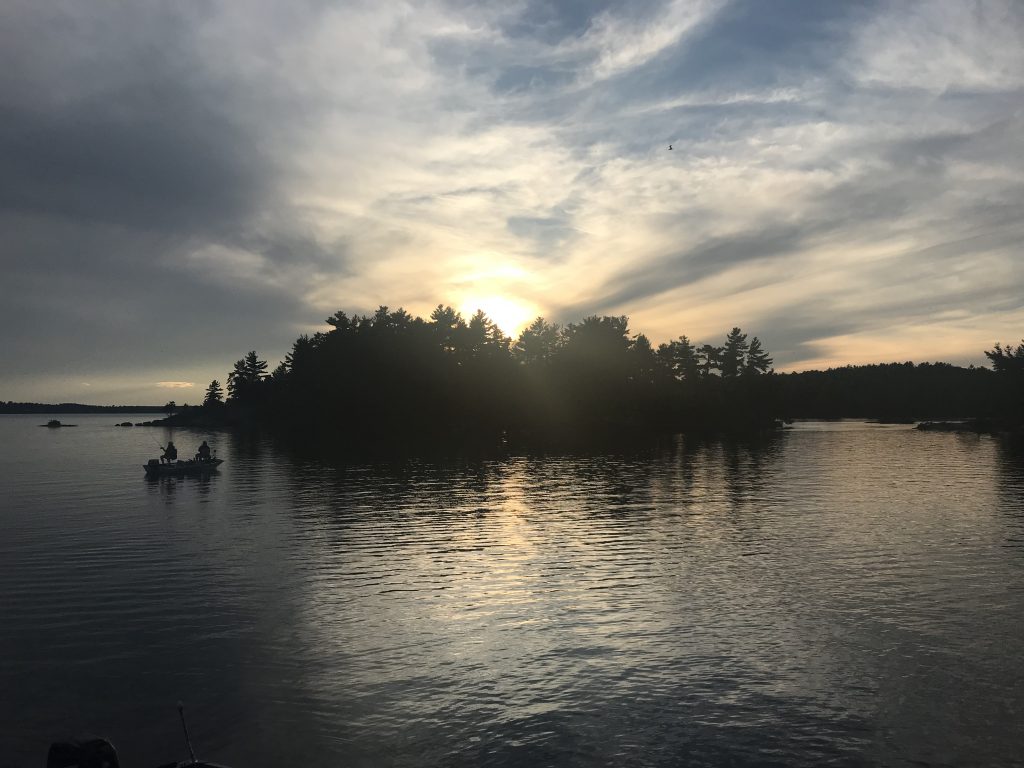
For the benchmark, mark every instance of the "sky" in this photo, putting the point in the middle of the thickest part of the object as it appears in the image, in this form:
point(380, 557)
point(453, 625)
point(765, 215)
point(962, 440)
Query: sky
point(181, 182)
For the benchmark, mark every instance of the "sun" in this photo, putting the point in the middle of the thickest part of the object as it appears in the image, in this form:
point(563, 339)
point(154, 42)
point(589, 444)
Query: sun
point(510, 315)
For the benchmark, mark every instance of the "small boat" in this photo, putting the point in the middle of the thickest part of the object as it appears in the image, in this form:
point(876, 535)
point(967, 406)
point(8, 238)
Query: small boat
point(191, 467)
point(97, 752)
point(54, 423)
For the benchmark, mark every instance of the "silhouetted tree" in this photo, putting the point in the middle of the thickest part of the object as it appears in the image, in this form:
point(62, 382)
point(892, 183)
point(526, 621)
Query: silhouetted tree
point(339, 321)
point(246, 376)
point(645, 364)
point(170, 407)
point(733, 353)
point(757, 361)
point(537, 343)
point(214, 394)
point(682, 359)
point(483, 337)
point(888, 391)
point(389, 373)
point(1008, 359)
point(593, 369)
point(1008, 363)
point(710, 359)
point(449, 328)
point(597, 343)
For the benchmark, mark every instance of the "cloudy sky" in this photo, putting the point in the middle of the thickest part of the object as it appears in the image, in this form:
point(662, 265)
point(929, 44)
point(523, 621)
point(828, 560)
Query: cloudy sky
point(181, 182)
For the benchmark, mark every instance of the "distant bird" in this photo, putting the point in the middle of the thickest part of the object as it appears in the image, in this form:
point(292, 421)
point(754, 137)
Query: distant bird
point(670, 147)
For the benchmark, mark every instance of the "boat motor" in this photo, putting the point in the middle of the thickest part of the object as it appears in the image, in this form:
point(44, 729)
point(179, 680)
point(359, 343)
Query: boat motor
point(193, 762)
point(83, 752)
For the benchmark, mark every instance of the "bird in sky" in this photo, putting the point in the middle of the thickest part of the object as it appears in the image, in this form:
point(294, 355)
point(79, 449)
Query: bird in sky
point(670, 146)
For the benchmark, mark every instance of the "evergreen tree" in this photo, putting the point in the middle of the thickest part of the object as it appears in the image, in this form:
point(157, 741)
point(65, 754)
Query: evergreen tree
point(1008, 363)
point(681, 358)
point(449, 328)
point(339, 321)
point(599, 346)
point(1007, 359)
point(710, 359)
point(214, 394)
point(246, 376)
point(392, 372)
point(385, 321)
point(537, 343)
point(645, 363)
point(483, 336)
point(757, 360)
point(733, 353)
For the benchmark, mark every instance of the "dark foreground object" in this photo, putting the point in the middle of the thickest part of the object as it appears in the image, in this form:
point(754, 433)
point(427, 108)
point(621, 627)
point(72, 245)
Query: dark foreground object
point(83, 752)
point(191, 467)
point(54, 423)
point(94, 752)
point(964, 425)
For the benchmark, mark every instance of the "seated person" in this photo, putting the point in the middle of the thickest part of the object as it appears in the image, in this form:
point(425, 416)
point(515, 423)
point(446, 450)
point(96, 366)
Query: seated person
point(204, 452)
point(170, 453)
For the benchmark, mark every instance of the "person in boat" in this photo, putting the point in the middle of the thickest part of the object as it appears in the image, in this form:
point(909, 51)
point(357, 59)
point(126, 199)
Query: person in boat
point(203, 454)
point(170, 453)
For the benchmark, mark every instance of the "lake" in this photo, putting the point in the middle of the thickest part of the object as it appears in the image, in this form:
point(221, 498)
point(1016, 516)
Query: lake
point(842, 593)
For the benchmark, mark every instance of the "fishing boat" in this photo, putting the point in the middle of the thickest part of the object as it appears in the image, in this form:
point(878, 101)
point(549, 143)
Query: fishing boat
point(97, 752)
point(89, 751)
point(190, 467)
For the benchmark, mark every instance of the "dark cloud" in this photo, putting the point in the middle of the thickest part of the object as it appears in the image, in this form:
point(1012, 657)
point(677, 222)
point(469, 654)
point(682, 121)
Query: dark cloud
point(747, 45)
point(553, 23)
point(548, 233)
point(906, 179)
point(162, 158)
point(124, 151)
point(517, 78)
point(126, 123)
point(176, 179)
point(632, 286)
point(791, 334)
point(82, 298)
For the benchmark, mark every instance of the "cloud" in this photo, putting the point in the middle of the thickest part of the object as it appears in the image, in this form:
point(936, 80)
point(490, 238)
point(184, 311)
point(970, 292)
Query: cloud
point(942, 46)
point(180, 184)
point(175, 384)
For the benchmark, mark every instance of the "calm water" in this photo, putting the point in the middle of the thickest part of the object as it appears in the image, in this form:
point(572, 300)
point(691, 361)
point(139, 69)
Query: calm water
point(845, 594)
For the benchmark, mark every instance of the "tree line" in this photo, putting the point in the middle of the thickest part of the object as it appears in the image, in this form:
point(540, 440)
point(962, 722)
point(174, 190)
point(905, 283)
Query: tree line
point(391, 372)
point(905, 391)
point(10, 406)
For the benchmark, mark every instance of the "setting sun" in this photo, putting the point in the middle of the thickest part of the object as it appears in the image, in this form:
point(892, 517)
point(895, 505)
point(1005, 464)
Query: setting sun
point(509, 314)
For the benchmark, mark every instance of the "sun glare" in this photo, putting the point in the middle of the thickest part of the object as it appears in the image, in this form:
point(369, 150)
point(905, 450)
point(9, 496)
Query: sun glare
point(509, 315)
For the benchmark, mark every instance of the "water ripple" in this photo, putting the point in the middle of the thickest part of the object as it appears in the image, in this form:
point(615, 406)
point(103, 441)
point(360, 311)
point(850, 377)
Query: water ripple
point(843, 595)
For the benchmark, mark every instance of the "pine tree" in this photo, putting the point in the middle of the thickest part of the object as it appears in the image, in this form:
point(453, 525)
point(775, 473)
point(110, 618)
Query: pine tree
point(449, 328)
point(483, 336)
point(246, 376)
point(644, 361)
point(681, 357)
point(1008, 359)
point(537, 343)
point(710, 358)
point(757, 361)
point(214, 395)
point(733, 353)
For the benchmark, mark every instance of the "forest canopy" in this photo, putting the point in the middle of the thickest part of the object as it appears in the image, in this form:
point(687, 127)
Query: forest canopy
point(395, 372)
point(390, 373)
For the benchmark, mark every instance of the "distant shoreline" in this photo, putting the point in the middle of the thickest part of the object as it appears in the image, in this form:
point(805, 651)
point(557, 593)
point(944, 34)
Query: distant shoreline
point(43, 408)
